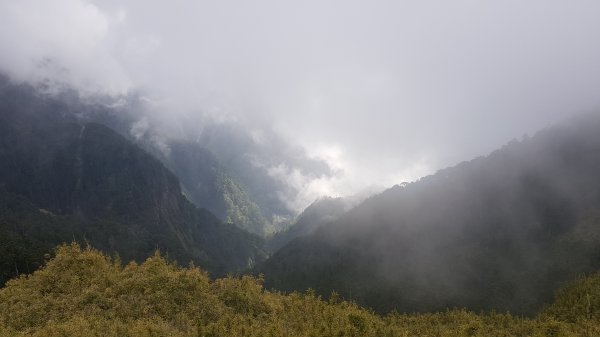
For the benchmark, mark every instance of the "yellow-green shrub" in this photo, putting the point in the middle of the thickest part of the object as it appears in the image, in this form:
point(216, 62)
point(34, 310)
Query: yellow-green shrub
point(81, 292)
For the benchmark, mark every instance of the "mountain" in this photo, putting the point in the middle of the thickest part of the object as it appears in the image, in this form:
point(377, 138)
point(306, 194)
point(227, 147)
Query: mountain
point(205, 181)
point(63, 178)
point(501, 232)
point(240, 171)
point(221, 165)
point(320, 212)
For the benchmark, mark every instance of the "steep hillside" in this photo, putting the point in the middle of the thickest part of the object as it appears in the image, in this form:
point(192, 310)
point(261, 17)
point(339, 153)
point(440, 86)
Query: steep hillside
point(500, 232)
point(206, 182)
point(63, 179)
point(320, 212)
point(214, 163)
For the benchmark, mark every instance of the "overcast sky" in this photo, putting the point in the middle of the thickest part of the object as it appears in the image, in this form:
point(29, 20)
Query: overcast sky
point(385, 91)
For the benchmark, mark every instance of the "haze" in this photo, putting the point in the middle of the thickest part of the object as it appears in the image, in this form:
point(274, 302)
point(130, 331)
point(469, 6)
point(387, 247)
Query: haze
point(383, 91)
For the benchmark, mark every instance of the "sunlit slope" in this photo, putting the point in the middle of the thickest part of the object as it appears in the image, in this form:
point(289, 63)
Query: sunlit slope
point(501, 232)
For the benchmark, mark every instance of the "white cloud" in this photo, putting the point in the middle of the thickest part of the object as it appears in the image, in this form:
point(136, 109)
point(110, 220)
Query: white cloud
point(401, 88)
point(63, 42)
point(303, 189)
point(139, 128)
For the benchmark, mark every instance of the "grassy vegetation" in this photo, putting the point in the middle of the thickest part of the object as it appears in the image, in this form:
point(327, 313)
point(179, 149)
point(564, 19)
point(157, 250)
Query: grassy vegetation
point(82, 292)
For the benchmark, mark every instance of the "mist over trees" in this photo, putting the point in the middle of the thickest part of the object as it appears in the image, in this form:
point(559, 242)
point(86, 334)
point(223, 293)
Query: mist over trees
point(63, 178)
point(317, 214)
point(500, 232)
point(264, 169)
point(250, 177)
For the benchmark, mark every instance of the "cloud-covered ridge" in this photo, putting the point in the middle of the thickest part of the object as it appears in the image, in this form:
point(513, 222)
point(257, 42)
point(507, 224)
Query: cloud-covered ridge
point(399, 89)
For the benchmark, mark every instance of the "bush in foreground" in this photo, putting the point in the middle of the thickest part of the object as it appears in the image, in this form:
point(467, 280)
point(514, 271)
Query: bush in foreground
point(82, 292)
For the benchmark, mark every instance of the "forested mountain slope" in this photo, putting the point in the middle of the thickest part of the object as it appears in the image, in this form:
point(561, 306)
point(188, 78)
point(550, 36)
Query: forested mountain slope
point(499, 232)
point(224, 166)
point(64, 179)
point(205, 180)
point(320, 212)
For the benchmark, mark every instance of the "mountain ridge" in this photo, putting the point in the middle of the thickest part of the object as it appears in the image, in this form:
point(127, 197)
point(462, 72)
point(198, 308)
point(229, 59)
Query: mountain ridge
point(480, 235)
point(66, 179)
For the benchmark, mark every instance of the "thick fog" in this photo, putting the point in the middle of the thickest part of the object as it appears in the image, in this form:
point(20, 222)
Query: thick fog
point(383, 91)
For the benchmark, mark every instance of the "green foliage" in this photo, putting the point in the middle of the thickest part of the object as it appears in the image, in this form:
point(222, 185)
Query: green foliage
point(580, 300)
point(82, 292)
point(240, 209)
point(209, 184)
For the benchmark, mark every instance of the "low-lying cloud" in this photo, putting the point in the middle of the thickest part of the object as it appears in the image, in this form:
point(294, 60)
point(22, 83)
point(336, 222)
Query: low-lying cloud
point(383, 91)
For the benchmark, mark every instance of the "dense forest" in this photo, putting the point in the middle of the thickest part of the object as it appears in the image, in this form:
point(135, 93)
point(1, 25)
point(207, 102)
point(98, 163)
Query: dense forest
point(81, 292)
point(64, 178)
point(320, 212)
point(221, 166)
point(501, 232)
point(216, 167)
